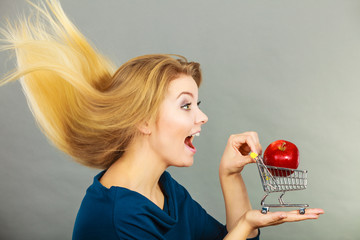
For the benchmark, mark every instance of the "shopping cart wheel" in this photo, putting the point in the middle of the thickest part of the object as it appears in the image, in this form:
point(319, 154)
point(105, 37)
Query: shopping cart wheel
point(302, 211)
point(264, 210)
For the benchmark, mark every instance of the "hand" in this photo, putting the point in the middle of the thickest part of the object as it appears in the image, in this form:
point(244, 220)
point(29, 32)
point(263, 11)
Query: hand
point(255, 219)
point(236, 153)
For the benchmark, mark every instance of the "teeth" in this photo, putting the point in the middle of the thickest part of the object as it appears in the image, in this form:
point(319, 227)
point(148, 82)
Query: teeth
point(196, 134)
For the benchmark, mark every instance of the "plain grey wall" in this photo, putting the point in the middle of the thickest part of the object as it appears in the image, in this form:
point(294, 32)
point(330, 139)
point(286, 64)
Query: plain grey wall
point(287, 69)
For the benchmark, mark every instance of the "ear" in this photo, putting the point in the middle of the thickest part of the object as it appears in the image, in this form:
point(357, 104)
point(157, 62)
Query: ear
point(144, 128)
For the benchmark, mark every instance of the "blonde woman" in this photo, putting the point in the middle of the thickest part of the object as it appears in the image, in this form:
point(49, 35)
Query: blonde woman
point(133, 122)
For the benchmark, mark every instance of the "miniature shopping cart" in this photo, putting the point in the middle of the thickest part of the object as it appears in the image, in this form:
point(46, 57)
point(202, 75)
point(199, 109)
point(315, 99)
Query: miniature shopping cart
point(276, 179)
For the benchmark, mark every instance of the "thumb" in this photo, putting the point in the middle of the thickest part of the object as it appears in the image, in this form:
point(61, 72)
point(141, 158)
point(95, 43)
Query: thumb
point(244, 161)
point(249, 159)
point(277, 218)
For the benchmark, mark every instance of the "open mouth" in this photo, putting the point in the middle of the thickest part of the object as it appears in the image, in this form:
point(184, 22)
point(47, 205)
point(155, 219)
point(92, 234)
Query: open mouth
point(189, 139)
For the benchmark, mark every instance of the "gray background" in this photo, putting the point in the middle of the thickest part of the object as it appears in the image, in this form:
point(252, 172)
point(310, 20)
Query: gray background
point(287, 69)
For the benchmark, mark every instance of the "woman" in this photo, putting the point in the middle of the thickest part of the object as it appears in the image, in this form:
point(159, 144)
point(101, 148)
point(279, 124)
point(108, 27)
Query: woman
point(134, 123)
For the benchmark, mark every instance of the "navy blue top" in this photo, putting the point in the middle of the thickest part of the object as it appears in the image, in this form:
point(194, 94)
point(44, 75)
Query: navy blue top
point(119, 213)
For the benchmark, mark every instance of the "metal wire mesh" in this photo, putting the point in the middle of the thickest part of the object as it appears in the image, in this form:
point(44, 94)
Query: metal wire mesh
point(282, 179)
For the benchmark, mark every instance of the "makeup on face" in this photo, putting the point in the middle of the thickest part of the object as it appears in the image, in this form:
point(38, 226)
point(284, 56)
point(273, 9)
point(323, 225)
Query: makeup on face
point(180, 120)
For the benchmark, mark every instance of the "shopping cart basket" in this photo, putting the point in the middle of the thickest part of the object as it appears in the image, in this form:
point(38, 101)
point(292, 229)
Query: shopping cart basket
point(276, 179)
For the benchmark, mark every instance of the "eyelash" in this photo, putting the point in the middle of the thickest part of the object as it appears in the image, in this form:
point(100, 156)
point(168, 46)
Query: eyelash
point(187, 105)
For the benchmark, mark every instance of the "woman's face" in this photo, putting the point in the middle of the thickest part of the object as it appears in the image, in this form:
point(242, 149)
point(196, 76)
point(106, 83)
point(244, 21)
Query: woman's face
point(179, 120)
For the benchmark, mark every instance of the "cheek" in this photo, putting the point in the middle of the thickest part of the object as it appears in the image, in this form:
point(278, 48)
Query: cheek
point(174, 128)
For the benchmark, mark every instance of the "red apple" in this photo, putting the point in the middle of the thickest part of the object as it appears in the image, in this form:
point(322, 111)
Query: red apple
point(282, 154)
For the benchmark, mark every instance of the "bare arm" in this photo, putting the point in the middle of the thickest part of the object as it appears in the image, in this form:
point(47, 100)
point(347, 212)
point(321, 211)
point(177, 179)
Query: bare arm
point(234, 159)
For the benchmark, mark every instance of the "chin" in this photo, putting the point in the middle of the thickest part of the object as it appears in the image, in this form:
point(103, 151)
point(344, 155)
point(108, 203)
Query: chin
point(185, 163)
point(189, 164)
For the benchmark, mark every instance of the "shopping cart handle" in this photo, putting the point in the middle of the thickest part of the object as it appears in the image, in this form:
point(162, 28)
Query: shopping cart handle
point(253, 155)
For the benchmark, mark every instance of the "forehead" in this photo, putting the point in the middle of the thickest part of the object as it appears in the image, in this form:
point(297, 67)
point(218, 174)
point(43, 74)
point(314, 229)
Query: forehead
point(182, 85)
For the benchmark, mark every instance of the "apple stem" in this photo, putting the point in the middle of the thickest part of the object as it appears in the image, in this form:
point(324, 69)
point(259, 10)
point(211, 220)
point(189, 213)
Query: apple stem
point(282, 148)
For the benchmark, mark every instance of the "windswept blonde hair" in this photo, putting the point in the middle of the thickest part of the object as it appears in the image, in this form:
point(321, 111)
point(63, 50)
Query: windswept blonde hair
point(85, 107)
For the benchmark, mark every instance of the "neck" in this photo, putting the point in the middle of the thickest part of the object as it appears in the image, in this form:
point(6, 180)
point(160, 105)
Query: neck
point(139, 171)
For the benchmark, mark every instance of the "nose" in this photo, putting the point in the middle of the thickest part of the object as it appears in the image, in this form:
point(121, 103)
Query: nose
point(201, 117)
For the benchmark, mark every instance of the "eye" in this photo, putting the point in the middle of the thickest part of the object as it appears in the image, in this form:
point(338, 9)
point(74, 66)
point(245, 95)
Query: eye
point(186, 106)
point(198, 103)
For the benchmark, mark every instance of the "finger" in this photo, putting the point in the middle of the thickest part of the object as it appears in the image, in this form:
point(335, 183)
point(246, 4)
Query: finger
point(256, 141)
point(300, 217)
point(296, 216)
point(282, 217)
point(317, 211)
point(241, 140)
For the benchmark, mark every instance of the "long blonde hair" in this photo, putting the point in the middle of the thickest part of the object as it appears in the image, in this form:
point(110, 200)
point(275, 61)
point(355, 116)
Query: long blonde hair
point(83, 105)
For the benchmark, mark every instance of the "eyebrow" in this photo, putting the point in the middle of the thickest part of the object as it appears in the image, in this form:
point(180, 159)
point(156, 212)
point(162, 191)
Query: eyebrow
point(187, 93)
